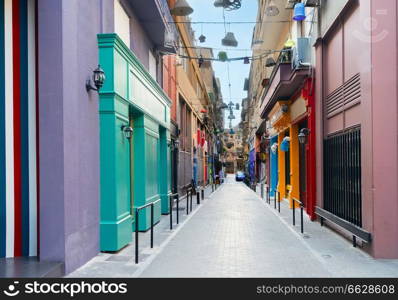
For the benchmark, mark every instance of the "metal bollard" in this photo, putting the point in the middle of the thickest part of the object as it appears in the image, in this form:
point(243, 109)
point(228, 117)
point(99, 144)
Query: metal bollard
point(191, 199)
point(294, 213)
point(171, 212)
point(279, 204)
point(262, 191)
point(203, 194)
point(302, 221)
point(136, 236)
point(152, 225)
point(187, 203)
point(197, 198)
point(275, 202)
point(178, 209)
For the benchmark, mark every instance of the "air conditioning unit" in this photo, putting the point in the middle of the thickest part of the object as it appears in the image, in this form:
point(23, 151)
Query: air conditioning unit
point(311, 3)
point(301, 57)
point(291, 3)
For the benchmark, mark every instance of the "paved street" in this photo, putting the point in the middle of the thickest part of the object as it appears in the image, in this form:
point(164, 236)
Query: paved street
point(234, 233)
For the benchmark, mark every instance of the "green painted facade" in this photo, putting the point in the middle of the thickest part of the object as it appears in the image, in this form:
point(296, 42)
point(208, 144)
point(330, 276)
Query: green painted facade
point(133, 172)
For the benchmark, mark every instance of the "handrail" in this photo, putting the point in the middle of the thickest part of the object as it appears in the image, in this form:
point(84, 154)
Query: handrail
point(137, 213)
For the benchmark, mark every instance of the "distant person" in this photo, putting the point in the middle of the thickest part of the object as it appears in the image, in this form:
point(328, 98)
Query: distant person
point(221, 175)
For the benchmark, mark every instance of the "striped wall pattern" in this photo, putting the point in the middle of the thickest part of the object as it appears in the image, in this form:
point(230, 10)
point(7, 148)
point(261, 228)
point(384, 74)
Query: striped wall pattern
point(18, 123)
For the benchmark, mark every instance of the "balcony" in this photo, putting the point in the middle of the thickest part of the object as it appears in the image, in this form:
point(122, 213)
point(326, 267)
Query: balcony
point(155, 17)
point(284, 83)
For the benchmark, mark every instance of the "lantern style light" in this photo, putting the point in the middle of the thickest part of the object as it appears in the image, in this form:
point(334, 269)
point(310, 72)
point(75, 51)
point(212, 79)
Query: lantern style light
point(98, 78)
point(299, 12)
point(228, 4)
point(181, 8)
point(176, 143)
point(270, 62)
point(127, 131)
point(202, 38)
point(272, 10)
point(223, 106)
point(303, 136)
point(229, 40)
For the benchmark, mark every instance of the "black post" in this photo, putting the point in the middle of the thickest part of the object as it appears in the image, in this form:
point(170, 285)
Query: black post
point(197, 198)
point(212, 187)
point(354, 241)
point(321, 221)
point(187, 203)
point(171, 212)
point(294, 212)
point(279, 204)
point(191, 198)
point(203, 194)
point(275, 202)
point(178, 209)
point(302, 221)
point(152, 225)
point(136, 236)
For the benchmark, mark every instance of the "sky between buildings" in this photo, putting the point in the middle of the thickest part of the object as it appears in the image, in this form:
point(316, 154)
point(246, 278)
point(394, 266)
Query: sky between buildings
point(204, 11)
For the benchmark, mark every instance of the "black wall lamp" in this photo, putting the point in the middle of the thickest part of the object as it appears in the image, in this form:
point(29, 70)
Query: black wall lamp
point(303, 136)
point(127, 131)
point(98, 78)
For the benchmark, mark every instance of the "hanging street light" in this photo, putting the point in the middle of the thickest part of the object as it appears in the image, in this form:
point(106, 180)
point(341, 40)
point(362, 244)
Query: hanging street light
point(222, 56)
point(228, 4)
point(229, 40)
point(272, 10)
point(202, 38)
point(181, 8)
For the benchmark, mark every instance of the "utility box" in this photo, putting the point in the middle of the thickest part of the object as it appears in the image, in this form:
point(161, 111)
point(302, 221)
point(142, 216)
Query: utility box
point(301, 53)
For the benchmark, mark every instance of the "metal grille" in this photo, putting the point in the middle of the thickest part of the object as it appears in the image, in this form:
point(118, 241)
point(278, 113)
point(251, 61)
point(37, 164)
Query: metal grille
point(344, 96)
point(342, 176)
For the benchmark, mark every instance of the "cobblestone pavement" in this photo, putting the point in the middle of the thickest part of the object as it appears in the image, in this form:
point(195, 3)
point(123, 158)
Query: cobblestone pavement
point(236, 234)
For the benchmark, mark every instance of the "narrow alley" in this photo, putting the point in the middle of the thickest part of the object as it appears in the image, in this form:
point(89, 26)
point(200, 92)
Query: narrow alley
point(234, 233)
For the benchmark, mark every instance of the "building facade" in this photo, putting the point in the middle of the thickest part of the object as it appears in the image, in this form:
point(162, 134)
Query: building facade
point(356, 91)
point(323, 82)
point(72, 172)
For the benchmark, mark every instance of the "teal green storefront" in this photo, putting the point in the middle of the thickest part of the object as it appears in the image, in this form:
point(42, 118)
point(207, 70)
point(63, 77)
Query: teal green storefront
point(136, 171)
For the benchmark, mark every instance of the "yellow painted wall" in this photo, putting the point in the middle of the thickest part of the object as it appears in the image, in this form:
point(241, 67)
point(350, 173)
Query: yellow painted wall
point(294, 165)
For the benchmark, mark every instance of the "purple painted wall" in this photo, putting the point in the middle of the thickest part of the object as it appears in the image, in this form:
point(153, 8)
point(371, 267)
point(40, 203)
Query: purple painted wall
point(69, 124)
point(371, 50)
point(385, 128)
point(69, 135)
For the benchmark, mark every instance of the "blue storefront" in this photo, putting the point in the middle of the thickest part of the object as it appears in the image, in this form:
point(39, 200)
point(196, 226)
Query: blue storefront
point(273, 165)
